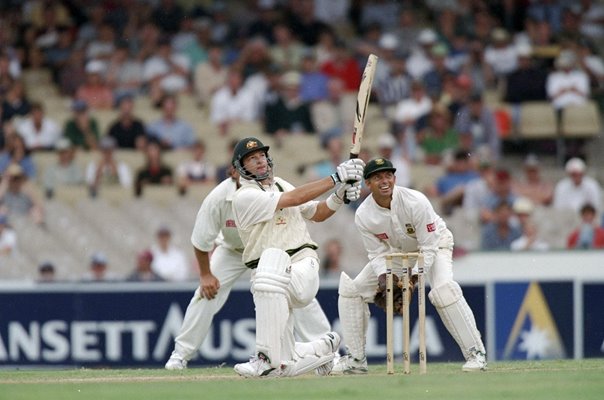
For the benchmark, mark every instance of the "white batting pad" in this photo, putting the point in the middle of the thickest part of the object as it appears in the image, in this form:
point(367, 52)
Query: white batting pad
point(272, 309)
point(354, 316)
point(457, 317)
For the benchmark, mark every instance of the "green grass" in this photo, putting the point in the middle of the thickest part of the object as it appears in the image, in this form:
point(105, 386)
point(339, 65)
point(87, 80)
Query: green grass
point(547, 380)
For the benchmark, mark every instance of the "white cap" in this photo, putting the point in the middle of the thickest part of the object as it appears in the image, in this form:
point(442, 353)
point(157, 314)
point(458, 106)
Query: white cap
point(524, 50)
point(523, 205)
point(95, 67)
point(427, 36)
point(388, 41)
point(291, 78)
point(565, 59)
point(575, 165)
point(386, 141)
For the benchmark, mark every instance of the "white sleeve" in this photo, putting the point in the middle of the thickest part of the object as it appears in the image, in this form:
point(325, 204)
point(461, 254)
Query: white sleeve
point(252, 206)
point(208, 223)
point(376, 249)
point(309, 209)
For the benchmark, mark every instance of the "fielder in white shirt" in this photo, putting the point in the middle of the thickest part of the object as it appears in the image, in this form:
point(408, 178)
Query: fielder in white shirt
point(395, 219)
point(270, 215)
point(218, 250)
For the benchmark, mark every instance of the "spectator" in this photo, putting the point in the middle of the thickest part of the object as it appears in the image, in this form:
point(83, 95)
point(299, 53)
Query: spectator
point(171, 131)
point(72, 75)
point(567, 85)
point(332, 260)
point(478, 191)
point(154, 172)
point(8, 238)
point(38, 131)
point(501, 57)
point(166, 71)
point(407, 117)
point(289, 114)
point(389, 149)
point(477, 128)
point(529, 240)
point(46, 272)
point(533, 186)
point(169, 262)
point(107, 171)
point(500, 232)
point(17, 197)
point(168, 16)
point(196, 170)
point(313, 86)
point(450, 186)
point(99, 270)
point(65, 172)
point(95, 91)
point(232, 103)
point(589, 235)
point(82, 129)
point(143, 271)
point(124, 73)
point(577, 189)
point(209, 76)
point(15, 103)
point(434, 78)
point(438, 137)
point(394, 87)
point(343, 66)
point(102, 46)
point(502, 192)
point(287, 51)
point(418, 62)
point(128, 130)
point(335, 114)
point(15, 153)
point(302, 20)
point(334, 147)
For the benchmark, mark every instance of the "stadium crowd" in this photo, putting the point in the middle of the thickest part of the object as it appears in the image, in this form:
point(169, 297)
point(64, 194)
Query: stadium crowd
point(451, 83)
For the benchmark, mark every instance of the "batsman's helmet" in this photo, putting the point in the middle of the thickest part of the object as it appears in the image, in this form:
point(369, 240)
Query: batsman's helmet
point(376, 165)
point(243, 148)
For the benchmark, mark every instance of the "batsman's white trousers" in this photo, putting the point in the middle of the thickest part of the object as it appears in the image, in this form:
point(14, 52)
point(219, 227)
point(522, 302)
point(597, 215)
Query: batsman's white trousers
point(310, 321)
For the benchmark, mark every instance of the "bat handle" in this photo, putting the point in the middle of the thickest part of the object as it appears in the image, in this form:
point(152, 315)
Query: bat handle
point(346, 200)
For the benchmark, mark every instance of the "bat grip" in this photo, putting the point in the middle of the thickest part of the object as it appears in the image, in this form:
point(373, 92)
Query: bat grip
point(346, 200)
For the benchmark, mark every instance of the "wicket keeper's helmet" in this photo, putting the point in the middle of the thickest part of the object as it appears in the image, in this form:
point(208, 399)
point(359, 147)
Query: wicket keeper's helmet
point(243, 148)
point(376, 165)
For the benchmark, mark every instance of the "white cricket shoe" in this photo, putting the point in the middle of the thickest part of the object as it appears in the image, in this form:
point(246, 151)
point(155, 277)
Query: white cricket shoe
point(349, 365)
point(257, 367)
point(176, 362)
point(476, 362)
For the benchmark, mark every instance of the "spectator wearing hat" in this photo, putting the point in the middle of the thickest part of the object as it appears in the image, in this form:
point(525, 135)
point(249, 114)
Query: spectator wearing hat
point(577, 189)
point(169, 262)
point(99, 270)
point(394, 87)
point(154, 172)
point(501, 57)
point(46, 272)
point(388, 148)
point(143, 271)
point(128, 130)
point(102, 46)
point(17, 197)
point(171, 131)
point(589, 234)
point(532, 185)
point(39, 131)
point(65, 171)
point(419, 61)
point(82, 129)
point(289, 114)
point(8, 238)
point(107, 171)
point(233, 103)
point(529, 240)
point(388, 51)
point(477, 128)
point(408, 116)
point(567, 85)
point(95, 91)
point(196, 170)
point(438, 137)
point(434, 78)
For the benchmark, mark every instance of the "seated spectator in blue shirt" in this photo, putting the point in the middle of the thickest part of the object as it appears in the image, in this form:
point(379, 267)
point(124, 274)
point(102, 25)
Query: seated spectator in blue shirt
point(171, 131)
point(15, 152)
point(450, 186)
point(501, 231)
point(313, 86)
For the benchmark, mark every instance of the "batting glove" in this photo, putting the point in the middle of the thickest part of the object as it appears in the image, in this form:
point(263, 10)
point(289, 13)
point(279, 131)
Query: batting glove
point(353, 192)
point(349, 171)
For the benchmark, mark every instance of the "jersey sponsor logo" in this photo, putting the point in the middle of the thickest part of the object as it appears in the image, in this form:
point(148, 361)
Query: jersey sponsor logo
point(280, 221)
point(382, 236)
point(410, 229)
point(230, 223)
point(431, 227)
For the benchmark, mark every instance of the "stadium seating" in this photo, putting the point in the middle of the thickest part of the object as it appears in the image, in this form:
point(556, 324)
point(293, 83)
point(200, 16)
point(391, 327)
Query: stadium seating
point(581, 121)
point(537, 121)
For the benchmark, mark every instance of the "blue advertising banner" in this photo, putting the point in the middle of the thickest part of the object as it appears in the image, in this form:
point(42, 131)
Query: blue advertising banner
point(593, 323)
point(128, 325)
point(533, 320)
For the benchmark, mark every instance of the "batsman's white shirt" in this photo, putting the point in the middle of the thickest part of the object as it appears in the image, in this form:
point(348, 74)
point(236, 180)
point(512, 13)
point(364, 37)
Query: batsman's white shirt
point(261, 227)
point(215, 223)
point(410, 224)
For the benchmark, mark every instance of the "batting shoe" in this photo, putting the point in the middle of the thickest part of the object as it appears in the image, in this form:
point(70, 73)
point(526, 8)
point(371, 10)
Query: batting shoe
point(332, 340)
point(176, 363)
point(348, 365)
point(257, 367)
point(476, 362)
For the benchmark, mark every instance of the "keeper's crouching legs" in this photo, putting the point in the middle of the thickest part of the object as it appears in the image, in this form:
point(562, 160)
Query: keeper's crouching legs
point(459, 320)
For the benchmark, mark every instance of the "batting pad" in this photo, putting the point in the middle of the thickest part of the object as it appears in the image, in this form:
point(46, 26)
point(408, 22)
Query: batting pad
point(457, 317)
point(354, 316)
point(272, 307)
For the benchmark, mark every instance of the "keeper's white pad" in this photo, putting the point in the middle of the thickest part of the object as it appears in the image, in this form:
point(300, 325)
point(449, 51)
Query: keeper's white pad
point(272, 309)
point(354, 316)
point(457, 317)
